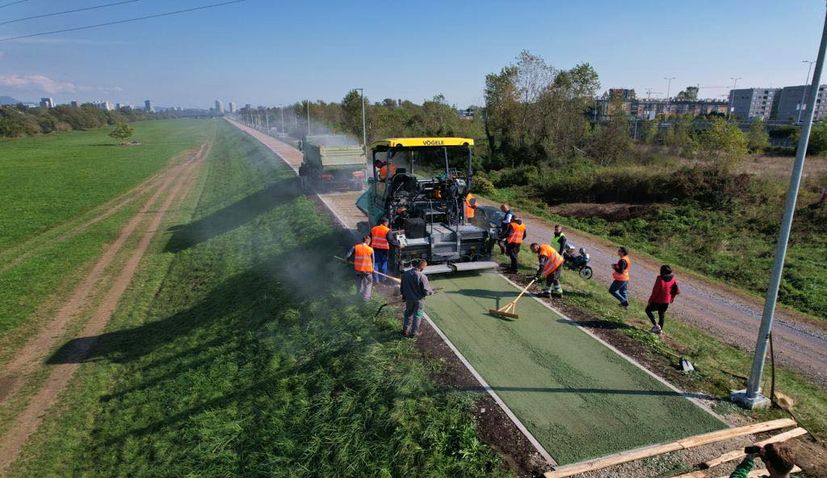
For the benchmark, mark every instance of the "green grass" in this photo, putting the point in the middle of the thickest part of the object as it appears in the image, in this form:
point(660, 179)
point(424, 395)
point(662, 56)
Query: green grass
point(50, 179)
point(56, 181)
point(732, 242)
point(242, 351)
point(578, 398)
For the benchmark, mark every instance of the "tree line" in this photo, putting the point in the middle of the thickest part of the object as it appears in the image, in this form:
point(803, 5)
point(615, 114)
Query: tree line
point(18, 120)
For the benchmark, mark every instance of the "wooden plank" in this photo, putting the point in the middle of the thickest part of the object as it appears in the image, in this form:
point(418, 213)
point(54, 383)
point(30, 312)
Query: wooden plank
point(691, 442)
point(736, 454)
point(694, 474)
point(758, 472)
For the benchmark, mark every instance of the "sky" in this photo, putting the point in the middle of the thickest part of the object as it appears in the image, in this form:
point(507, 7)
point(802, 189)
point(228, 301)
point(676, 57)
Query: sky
point(269, 52)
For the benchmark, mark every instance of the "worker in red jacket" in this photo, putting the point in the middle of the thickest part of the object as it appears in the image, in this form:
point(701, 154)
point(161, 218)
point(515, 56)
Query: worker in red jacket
point(663, 294)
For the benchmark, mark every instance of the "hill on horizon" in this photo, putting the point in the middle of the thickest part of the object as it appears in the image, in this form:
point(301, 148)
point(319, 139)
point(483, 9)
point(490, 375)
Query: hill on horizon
point(8, 100)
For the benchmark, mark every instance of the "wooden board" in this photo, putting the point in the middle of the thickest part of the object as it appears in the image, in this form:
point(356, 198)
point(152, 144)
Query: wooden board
point(691, 442)
point(758, 472)
point(736, 454)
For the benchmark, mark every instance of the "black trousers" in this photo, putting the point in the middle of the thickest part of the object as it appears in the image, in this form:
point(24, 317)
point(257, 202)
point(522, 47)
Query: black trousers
point(661, 310)
point(513, 250)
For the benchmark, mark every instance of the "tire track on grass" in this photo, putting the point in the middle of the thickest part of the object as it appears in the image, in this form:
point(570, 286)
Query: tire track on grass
point(28, 421)
point(15, 255)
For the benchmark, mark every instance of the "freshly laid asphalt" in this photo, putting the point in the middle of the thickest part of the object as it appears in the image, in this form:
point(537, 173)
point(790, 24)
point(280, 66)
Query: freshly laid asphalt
point(578, 397)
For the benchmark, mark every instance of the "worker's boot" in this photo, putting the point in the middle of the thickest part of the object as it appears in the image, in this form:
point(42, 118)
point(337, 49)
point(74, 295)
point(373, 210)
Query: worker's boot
point(557, 292)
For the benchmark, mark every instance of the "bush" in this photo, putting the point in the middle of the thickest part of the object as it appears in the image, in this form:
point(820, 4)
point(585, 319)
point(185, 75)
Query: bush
point(482, 185)
point(520, 176)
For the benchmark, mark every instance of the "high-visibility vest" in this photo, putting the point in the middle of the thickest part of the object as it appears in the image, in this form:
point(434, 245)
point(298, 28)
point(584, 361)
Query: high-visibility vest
point(555, 240)
point(515, 236)
point(545, 250)
point(623, 276)
point(553, 261)
point(469, 210)
point(383, 171)
point(379, 237)
point(362, 258)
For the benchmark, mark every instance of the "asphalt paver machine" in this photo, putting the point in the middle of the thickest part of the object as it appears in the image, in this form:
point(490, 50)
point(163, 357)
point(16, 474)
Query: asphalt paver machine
point(420, 185)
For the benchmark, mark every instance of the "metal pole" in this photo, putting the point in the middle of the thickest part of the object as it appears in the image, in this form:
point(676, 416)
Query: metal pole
point(308, 118)
point(751, 397)
point(364, 122)
point(804, 90)
point(281, 107)
point(732, 96)
point(668, 90)
point(267, 119)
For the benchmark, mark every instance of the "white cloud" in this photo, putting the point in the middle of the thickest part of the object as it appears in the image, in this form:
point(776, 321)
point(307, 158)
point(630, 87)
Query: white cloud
point(37, 82)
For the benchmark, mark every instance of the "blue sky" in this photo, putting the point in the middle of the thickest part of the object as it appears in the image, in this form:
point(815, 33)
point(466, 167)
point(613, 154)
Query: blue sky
point(272, 52)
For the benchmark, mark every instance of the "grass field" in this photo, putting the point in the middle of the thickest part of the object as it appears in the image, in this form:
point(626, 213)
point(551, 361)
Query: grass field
point(53, 183)
point(241, 350)
point(578, 398)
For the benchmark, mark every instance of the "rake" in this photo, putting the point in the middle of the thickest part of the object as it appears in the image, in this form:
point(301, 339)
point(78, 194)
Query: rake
point(509, 310)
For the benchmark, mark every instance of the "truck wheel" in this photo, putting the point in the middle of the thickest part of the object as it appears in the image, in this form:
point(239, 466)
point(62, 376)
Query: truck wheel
point(586, 272)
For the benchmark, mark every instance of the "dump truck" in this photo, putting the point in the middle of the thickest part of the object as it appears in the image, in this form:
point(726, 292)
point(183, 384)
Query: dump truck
point(332, 163)
point(420, 185)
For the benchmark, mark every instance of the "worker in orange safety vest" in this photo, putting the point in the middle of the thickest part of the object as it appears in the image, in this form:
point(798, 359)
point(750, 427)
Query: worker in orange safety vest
point(550, 269)
point(620, 275)
point(380, 241)
point(362, 255)
point(470, 207)
point(516, 234)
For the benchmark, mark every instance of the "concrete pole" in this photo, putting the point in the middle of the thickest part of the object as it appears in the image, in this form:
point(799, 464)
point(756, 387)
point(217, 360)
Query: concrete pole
point(804, 92)
point(364, 122)
point(308, 118)
point(752, 397)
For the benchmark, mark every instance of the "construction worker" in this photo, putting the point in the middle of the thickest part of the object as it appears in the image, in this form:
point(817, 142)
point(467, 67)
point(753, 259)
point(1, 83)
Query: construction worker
point(504, 225)
point(550, 268)
point(558, 240)
point(362, 255)
point(414, 288)
point(516, 234)
point(381, 244)
point(620, 273)
point(470, 207)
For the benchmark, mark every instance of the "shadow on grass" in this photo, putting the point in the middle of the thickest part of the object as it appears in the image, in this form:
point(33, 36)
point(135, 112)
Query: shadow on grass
point(597, 324)
point(298, 273)
point(232, 216)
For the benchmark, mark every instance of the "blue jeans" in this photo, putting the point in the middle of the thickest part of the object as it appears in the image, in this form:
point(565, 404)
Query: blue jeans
point(619, 289)
point(380, 263)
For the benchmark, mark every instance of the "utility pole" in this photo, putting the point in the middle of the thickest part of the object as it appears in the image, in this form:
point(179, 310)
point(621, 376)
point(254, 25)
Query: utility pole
point(732, 94)
point(267, 119)
point(364, 122)
point(308, 118)
point(281, 107)
point(668, 90)
point(804, 91)
point(752, 397)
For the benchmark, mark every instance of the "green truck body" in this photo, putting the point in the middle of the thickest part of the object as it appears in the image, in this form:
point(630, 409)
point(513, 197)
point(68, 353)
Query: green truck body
point(332, 162)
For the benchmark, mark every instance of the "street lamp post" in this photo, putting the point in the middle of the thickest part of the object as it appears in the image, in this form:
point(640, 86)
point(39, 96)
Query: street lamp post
point(668, 90)
point(364, 123)
point(281, 107)
point(752, 397)
point(308, 118)
point(732, 96)
point(804, 90)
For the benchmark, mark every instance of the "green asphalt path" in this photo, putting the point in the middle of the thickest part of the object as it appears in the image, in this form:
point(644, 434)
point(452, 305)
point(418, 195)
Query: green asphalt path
point(576, 396)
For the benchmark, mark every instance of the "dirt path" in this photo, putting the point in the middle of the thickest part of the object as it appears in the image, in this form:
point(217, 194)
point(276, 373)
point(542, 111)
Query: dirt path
point(174, 187)
point(730, 315)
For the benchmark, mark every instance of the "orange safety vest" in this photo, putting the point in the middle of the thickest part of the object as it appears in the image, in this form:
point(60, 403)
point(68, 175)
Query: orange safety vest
point(383, 171)
point(623, 276)
point(379, 237)
point(469, 210)
point(362, 258)
point(553, 260)
point(516, 234)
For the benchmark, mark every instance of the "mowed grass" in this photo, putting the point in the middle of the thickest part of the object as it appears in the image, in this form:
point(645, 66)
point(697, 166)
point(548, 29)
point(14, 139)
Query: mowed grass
point(51, 180)
point(46, 180)
point(242, 351)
